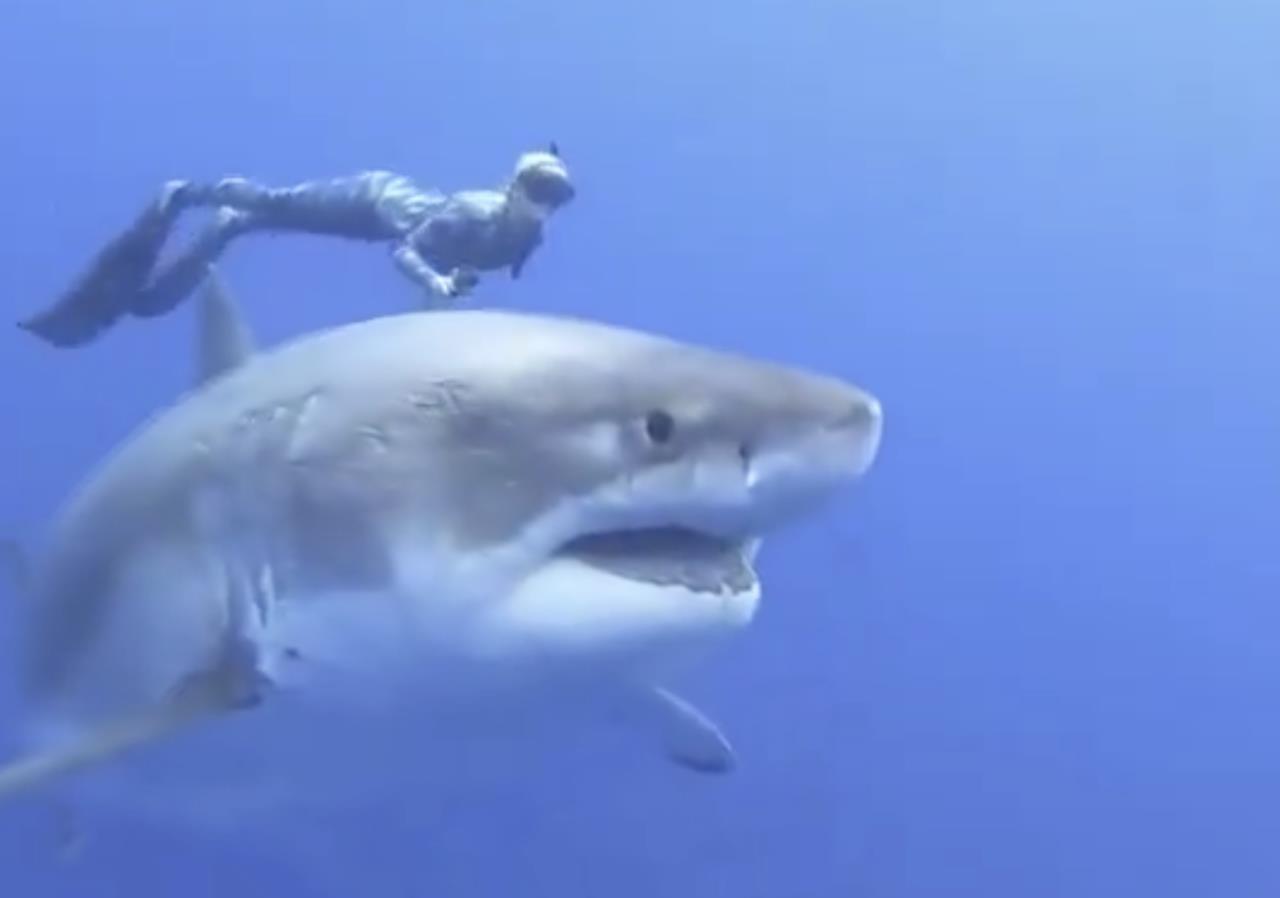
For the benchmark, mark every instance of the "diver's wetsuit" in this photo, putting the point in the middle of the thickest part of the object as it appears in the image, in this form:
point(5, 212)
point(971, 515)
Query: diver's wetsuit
point(437, 241)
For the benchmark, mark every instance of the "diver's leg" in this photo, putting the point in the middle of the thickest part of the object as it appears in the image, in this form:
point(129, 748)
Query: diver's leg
point(339, 207)
point(105, 290)
point(177, 280)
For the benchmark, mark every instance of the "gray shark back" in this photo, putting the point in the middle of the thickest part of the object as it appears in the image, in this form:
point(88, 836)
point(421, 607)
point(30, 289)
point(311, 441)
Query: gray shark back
point(461, 500)
point(370, 423)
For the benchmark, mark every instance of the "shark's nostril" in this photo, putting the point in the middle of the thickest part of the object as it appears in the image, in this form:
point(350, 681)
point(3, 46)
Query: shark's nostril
point(864, 414)
point(870, 412)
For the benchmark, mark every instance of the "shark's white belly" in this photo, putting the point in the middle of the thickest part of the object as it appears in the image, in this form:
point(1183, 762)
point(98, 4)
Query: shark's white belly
point(353, 673)
point(564, 628)
point(353, 670)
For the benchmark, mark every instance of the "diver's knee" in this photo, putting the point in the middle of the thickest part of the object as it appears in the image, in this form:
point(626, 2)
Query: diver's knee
point(237, 192)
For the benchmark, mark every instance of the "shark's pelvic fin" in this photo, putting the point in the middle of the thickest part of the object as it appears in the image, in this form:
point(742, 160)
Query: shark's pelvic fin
point(225, 341)
point(691, 739)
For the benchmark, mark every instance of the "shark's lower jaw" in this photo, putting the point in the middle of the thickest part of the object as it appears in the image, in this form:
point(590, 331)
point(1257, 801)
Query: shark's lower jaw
point(623, 603)
point(669, 556)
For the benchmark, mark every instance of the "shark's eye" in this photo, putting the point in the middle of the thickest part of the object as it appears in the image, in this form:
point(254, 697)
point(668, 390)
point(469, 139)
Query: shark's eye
point(659, 426)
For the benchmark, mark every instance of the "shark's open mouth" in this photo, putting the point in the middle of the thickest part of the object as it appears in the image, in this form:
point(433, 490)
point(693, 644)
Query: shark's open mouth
point(668, 556)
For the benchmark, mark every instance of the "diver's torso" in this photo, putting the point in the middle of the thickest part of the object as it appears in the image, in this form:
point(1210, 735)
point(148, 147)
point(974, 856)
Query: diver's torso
point(476, 230)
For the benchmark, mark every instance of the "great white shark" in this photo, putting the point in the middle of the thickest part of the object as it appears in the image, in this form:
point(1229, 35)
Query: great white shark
point(437, 510)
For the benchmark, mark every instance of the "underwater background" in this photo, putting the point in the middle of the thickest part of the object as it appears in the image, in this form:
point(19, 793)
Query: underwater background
point(1032, 655)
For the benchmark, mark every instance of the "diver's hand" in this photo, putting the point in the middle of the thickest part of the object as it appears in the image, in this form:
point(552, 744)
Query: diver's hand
point(457, 283)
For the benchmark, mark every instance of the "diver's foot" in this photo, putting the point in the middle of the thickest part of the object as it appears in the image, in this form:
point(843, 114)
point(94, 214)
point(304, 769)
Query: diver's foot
point(76, 319)
point(174, 197)
point(64, 329)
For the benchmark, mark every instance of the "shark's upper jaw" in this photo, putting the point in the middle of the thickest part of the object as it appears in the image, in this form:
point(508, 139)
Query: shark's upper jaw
point(695, 525)
point(666, 530)
point(673, 556)
point(632, 553)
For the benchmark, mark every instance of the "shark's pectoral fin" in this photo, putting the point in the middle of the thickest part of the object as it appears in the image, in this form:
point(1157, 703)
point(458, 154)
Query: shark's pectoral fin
point(690, 738)
point(110, 740)
point(235, 681)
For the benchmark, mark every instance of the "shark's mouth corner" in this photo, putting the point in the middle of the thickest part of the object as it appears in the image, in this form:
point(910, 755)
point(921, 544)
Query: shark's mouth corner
point(669, 556)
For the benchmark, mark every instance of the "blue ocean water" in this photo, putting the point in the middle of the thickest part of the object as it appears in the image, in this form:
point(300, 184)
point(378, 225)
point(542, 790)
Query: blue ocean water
point(1032, 655)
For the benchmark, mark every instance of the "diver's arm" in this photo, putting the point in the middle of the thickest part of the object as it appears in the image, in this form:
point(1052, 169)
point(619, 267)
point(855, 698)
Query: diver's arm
point(411, 264)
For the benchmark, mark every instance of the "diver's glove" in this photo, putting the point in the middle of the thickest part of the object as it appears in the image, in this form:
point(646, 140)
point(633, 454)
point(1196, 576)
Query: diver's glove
point(457, 283)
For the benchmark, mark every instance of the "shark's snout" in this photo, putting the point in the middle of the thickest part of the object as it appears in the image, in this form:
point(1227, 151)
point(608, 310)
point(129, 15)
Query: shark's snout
point(861, 424)
point(863, 413)
point(830, 437)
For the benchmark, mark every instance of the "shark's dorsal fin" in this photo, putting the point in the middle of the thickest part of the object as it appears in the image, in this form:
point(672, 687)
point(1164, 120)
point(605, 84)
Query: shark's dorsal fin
point(224, 339)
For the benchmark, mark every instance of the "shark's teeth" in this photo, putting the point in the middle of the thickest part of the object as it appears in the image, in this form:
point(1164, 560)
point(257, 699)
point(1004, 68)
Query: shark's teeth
point(669, 556)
